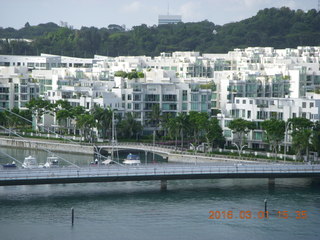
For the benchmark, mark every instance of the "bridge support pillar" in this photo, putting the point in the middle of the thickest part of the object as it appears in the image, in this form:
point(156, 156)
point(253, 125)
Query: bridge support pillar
point(163, 185)
point(272, 181)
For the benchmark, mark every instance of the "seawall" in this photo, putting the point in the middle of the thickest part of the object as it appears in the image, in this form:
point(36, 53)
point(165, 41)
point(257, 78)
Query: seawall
point(46, 145)
point(187, 158)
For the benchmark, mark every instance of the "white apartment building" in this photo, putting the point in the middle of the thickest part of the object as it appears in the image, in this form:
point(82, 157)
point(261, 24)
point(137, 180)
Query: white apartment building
point(260, 109)
point(252, 83)
point(16, 87)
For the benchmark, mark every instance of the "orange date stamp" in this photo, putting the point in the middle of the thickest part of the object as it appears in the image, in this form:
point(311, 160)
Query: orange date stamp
point(244, 214)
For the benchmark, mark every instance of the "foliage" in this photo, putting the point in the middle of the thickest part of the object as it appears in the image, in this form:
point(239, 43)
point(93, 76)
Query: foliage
point(129, 127)
point(240, 128)
point(122, 74)
point(301, 135)
point(86, 123)
point(214, 133)
point(182, 124)
point(155, 117)
point(275, 131)
point(273, 27)
point(131, 75)
point(211, 85)
point(316, 137)
point(104, 120)
point(197, 123)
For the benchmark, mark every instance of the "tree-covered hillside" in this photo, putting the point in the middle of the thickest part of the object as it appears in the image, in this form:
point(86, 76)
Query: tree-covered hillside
point(279, 28)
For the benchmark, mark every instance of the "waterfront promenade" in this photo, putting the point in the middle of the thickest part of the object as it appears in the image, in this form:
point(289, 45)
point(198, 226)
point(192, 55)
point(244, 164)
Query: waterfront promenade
point(155, 172)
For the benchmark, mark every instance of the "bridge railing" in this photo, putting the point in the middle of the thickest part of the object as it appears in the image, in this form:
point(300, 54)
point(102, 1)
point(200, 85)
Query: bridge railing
point(153, 170)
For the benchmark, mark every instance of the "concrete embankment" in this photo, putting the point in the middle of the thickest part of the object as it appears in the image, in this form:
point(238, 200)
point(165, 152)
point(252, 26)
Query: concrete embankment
point(187, 158)
point(46, 145)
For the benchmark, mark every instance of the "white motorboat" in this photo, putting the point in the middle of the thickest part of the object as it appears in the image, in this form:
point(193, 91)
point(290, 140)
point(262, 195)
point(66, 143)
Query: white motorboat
point(30, 162)
point(107, 161)
point(132, 159)
point(52, 162)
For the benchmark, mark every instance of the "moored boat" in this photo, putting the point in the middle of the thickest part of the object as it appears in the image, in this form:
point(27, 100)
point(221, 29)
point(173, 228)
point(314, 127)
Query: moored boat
point(52, 162)
point(30, 162)
point(132, 159)
point(10, 165)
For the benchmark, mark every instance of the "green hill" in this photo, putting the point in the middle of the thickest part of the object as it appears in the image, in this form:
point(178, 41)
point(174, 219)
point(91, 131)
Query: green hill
point(279, 28)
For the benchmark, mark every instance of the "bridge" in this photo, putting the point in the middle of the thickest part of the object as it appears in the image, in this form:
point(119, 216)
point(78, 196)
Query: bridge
point(149, 172)
point(162, 150)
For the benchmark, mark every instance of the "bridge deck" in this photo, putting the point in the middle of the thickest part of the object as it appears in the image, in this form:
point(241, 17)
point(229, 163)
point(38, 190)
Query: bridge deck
point(154, 172)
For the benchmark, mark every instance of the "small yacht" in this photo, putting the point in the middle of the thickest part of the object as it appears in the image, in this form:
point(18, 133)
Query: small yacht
point(30, 162)
point(52, 162)
point(9, 165)
point(132, 159)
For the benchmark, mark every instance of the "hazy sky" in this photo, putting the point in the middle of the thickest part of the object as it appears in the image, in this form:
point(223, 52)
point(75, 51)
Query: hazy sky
point(101, 13)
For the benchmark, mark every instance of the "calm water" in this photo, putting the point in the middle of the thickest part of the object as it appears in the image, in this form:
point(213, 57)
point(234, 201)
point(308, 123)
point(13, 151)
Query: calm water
point(139, 210)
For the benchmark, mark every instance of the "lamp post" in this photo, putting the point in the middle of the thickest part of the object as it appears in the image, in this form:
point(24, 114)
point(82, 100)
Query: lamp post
point(239, 149)
point(285, 140)
point(154, 139)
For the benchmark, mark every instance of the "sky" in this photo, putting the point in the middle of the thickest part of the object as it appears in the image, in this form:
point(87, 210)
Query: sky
point(101, 13)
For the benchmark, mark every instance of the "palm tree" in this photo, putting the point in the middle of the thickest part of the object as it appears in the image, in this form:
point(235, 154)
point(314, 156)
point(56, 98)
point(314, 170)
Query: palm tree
point(104, 118)
point(198, 123)
point(129, 126)
point(182, 125)
point(155, 116)
point(173, 130)
point(86, 122)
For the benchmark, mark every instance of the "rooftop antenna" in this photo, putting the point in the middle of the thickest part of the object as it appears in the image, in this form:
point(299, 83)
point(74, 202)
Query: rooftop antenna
point(318, 5)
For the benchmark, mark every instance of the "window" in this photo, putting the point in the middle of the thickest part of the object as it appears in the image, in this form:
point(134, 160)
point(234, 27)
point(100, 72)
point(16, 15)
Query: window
point(168, 106)
point(169, 98)
point(129, 97)
point(257, 136)
point(251, 101)
point(237, 101)
point(194, 106)
point(227, 133)
point(311, 105)
point(16, 88)
point(194, 97)
point(129, 105)
point(204, 107)
point(184, 95)
point(184, 106)
point(136, 106)
point(304, 104)
point(123, 97)
point(137, 97)
point(152, 98)
point(244, 101)
point(203, 98)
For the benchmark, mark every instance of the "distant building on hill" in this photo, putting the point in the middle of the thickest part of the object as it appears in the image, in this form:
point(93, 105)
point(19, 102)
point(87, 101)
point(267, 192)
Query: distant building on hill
point(169, 19)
